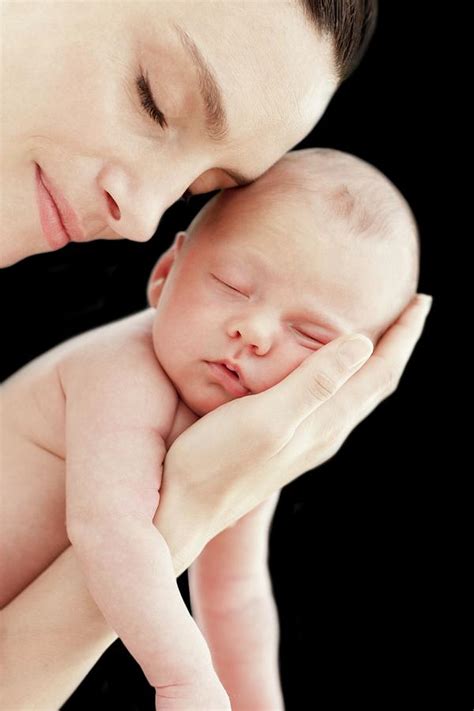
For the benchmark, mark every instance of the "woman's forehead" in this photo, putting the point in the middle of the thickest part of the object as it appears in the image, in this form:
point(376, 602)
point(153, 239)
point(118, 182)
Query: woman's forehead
point(265, 74)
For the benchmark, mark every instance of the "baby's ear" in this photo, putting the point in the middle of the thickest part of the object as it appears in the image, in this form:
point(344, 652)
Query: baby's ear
point(162, 268)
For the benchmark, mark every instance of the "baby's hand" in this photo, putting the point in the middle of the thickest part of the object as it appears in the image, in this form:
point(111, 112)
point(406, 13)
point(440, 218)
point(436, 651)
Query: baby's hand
point(206, 694)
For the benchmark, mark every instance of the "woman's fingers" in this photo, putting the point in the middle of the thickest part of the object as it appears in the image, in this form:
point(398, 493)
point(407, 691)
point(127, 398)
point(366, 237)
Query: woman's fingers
point(316, 380)
point(396, 346)
point(380, 376)
point(320, 435)
point(371, 384)
point(242, 452)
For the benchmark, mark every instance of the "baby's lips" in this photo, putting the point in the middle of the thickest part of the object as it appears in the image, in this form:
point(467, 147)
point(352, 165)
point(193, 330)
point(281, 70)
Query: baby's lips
point(236, 369)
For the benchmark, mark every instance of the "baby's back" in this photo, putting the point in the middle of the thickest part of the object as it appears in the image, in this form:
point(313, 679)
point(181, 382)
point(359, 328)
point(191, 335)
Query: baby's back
point(33, 424)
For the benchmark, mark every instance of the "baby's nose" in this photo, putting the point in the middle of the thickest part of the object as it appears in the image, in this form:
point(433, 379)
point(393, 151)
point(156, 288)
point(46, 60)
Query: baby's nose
point(256, 332)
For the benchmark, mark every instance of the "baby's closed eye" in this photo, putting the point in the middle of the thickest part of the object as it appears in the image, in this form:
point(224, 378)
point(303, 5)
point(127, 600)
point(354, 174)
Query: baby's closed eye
point(227, 285)
point(310, 340)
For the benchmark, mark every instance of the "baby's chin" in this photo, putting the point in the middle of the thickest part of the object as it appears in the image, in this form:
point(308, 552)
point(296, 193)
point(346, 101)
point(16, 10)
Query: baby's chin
point(202, 403)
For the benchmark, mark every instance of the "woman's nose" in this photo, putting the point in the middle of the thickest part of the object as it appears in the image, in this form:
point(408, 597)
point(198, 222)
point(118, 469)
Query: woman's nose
point(133, 207)
point(256, 331)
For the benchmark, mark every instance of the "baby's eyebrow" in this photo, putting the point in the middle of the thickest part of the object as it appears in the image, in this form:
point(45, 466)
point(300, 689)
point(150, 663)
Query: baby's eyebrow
point(247, 260)
point(260, 266)
point(308, 310)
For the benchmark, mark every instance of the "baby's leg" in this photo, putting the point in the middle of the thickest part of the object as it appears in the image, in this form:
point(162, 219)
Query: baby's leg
point(33, 528)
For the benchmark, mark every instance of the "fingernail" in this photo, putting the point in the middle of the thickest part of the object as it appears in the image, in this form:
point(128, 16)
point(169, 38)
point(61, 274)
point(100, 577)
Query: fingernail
point(354, 351)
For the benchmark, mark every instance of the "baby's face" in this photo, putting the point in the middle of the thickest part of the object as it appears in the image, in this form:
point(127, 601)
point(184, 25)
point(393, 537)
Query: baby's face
point(261, 288)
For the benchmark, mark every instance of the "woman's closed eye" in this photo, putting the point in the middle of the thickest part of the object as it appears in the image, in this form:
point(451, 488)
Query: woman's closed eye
point(148, 102)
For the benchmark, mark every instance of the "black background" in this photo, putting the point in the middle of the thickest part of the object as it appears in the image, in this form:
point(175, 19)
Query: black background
point(353, 544)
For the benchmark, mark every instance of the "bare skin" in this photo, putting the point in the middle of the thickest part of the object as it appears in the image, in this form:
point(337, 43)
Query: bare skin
point(116, 166)
point(114, 160)
point(59, 659)
point(103, 409)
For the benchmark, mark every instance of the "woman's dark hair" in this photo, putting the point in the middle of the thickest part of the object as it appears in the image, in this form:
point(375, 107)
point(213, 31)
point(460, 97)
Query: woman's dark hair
point(351, 24)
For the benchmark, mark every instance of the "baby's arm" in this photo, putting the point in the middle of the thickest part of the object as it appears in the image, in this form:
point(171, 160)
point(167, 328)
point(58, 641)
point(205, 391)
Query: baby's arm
point(115, 451)
point(232, 601)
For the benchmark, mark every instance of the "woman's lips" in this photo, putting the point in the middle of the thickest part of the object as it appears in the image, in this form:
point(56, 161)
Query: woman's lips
point(58, 220)
point(227, 379)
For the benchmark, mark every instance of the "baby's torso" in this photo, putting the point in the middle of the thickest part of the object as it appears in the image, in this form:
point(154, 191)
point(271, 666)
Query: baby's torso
point(35, 406)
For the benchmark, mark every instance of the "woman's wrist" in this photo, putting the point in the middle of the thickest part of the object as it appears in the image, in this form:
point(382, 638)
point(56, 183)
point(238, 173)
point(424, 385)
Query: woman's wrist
point(185, 520)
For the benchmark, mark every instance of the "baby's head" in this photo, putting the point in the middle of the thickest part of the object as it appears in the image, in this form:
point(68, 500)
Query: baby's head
point(320, 246)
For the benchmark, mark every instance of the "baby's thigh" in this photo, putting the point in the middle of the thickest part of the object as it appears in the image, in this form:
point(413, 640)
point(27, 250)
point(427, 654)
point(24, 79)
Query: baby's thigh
point(33, 526)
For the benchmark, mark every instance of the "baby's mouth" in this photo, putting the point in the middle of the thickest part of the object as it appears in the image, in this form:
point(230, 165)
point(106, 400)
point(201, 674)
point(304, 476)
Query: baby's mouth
point(231, 371)
point(231, 376)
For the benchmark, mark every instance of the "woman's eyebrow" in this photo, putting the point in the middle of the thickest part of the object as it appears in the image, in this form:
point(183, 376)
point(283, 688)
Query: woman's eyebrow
point(211, 93)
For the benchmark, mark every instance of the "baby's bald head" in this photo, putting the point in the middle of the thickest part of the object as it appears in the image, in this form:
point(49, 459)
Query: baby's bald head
point(329, 196)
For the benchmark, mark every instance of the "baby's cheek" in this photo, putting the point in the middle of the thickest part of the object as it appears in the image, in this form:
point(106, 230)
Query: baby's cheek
point(282, 364)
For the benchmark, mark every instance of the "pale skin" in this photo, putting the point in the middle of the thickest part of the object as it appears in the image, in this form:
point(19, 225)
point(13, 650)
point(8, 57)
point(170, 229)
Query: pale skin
point(116, 428)
point(75, 108)
point(71, 636)
point(96, 145)
point(120, 492)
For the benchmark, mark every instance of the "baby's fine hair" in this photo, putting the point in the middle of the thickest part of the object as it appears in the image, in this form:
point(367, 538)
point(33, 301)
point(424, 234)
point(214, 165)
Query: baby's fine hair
point(347, 190)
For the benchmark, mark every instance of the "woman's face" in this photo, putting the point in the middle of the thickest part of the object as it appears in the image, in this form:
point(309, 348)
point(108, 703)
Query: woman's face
point(236, 85)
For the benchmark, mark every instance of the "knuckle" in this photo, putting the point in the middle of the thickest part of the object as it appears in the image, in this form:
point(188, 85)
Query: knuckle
point(327, 446)
point(272, 435)
point(322, 386)
point(391, 381)
point(257, 435)
point(334, 439)
point(330, 433)
point(268, 434)
point(388, 377)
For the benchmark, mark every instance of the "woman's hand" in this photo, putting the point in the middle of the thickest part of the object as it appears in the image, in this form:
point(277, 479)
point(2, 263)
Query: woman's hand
point(237, 455)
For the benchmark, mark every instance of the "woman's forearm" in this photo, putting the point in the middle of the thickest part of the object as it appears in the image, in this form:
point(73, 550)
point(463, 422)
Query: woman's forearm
point(53, 632)
point(52, 635)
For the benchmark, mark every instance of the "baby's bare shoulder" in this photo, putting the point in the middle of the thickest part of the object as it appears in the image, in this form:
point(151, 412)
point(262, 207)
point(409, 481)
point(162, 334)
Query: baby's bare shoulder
point(116, 368)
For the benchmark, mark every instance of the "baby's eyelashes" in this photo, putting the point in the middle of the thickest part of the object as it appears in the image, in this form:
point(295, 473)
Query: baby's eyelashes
point(312, 340)
point(228, 286)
